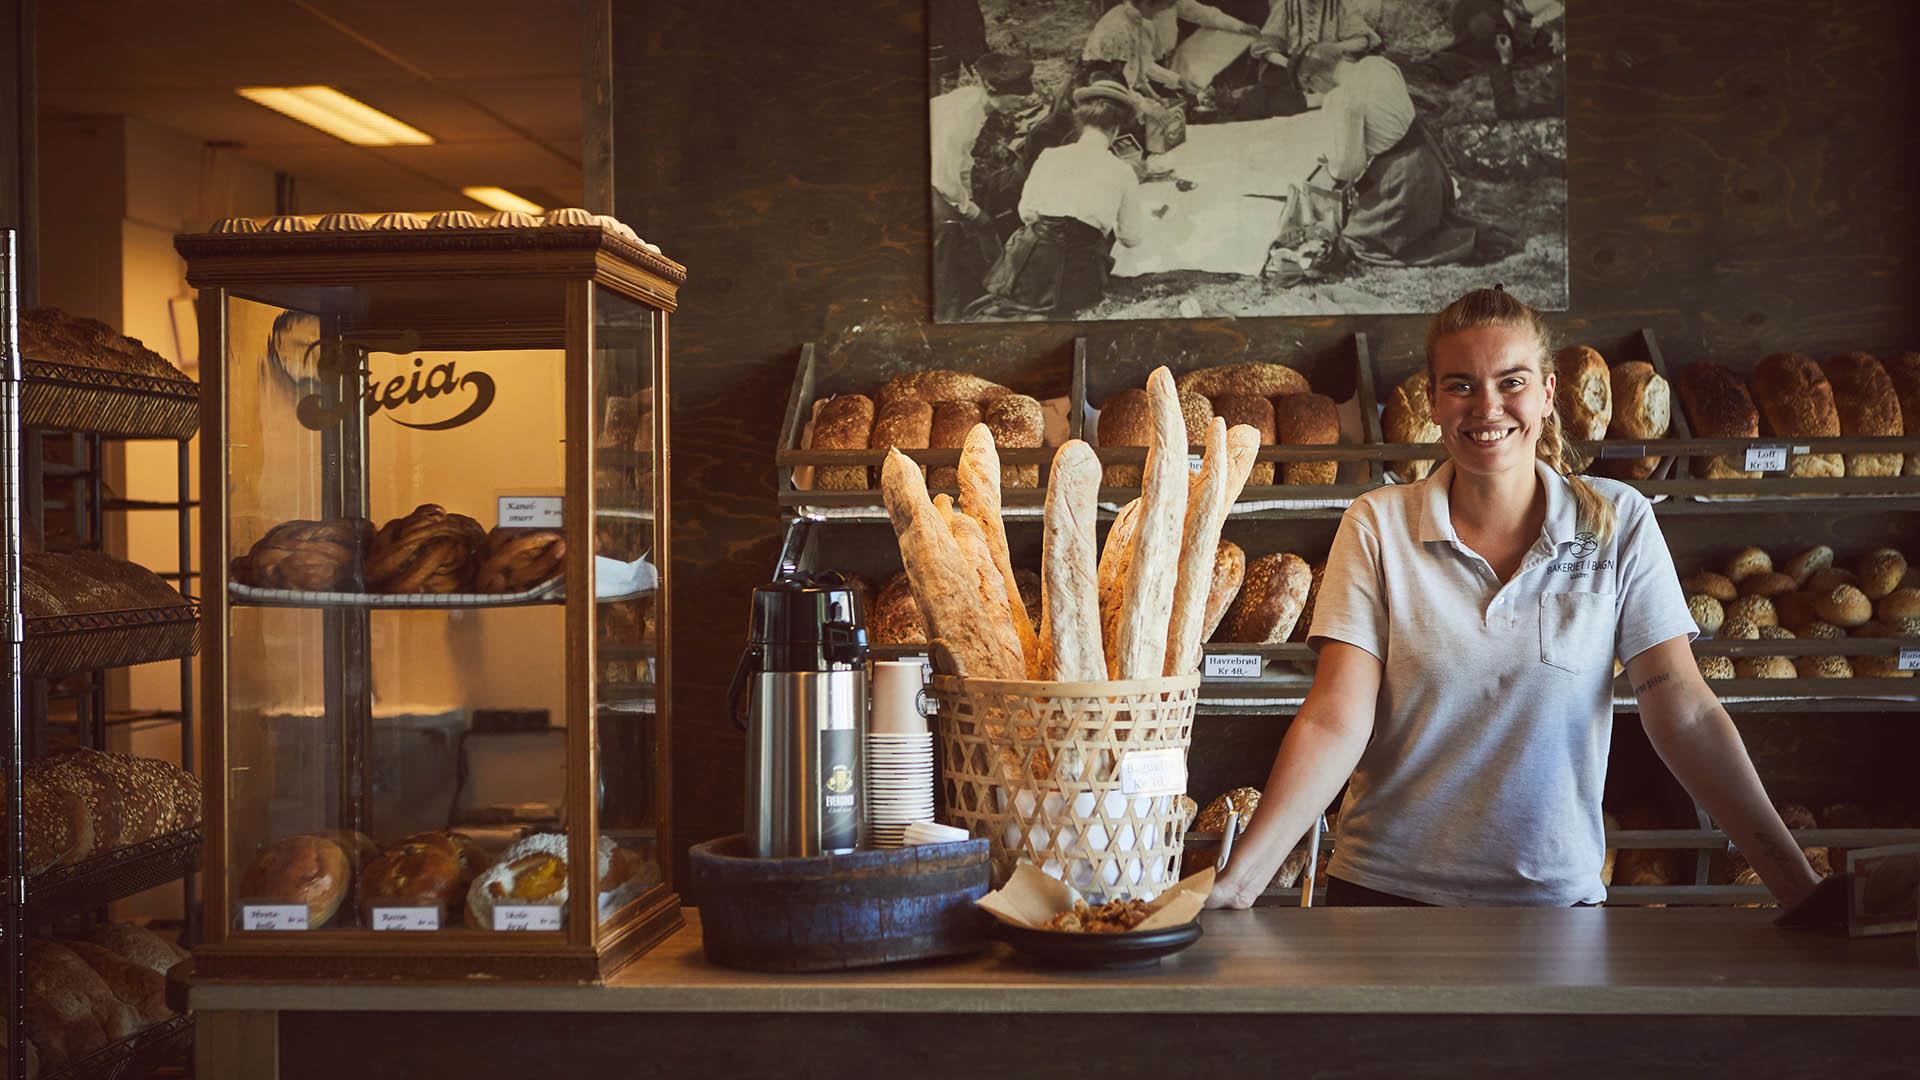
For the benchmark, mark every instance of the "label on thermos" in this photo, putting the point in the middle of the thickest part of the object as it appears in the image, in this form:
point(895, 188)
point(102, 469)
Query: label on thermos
point(839, 785)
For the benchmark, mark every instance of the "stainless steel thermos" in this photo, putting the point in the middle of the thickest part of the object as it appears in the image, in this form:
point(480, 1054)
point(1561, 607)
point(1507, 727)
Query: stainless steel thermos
point(803, 682)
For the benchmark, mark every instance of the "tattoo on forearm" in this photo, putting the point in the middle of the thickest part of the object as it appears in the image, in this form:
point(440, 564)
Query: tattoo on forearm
point(1771, 848)
point(1656, 680)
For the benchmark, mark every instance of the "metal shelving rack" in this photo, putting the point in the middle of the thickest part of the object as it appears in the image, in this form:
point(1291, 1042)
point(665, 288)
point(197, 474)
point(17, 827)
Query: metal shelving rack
point(90, 885)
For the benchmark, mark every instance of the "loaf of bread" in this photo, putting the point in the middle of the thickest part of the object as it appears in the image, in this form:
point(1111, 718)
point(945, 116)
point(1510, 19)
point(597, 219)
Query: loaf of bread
point(903, 423)
point(936, 385)
point(1153, 567)
point(1718, 407)
point(138, 944)
point(310, 556)
point(951, 422)
point(1797, 400)
point(1229, 572)
point(844, 422)
point(1584, 394)
point(70, 1010)
point(943, 583)
point(1017, 423)
point(513, 560)
point(1409, 419)
point(1307, 420)
point(138, 987)
point(1258, 379)
point(82, 803)
point(1072, 646)
point(1271, 600)
point(82, 582)
point(1642, 409)
point(993, 596)
point(1257, 413)
point(300, 870)
point(978, 476)
point(895, 619)
point(461, 848)
point(359, 847)
point(1304, 624)
point(1206, 511)
point(427, 551)
point(1904, 370)
point(1863, 393)
point(1124, 421)
point(1242, 800)
point(75, 773)
point(409, 875)
point(51, 335)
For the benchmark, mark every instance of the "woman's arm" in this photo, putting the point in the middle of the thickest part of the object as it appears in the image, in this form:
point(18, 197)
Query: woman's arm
point(1694, 736)
point(1348, 159)
point(1212, 18)
point(1318, 754)
point(1128, 223)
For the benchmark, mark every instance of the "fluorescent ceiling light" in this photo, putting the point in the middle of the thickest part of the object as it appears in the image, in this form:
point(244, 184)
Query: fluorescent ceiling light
point(336, 114)
point(501, 199)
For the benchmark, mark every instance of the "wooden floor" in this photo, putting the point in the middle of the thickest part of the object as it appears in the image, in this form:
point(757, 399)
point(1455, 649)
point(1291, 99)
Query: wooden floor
point(1350, 993)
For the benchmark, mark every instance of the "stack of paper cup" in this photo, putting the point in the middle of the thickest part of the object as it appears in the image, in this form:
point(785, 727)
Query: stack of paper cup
point(927, 832)
point(899, 753)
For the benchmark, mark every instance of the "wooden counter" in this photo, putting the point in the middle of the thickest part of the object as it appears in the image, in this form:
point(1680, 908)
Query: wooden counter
point(1484, 988)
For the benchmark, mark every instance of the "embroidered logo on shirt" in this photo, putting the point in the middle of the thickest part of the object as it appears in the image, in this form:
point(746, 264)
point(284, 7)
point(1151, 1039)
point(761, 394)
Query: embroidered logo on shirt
point(1584, 544)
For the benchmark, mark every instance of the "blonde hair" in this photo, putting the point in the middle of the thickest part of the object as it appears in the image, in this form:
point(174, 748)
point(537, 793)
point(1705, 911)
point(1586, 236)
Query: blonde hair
point(1496, 307)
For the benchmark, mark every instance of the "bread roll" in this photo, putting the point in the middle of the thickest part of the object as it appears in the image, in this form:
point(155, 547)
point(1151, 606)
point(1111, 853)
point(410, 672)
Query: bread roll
point(1797, 400)
point(1584, 394)
point(1017, 423)
point(1904, 370)
point(1829, 579)
point(963, 642)
point(138, 944)
point(979, 478)
point(1124, 421)
point(904, 424)
point(1804, 565)
point(1880, 571)
point(1229, 571)
point(1716, 667)
point(939, 384)
point(1271, 600)
point(844, 422)
point(138, 987)
point(1409, 419)
point(1307, 420)
point(1207, 502)
point(1642, 409)
point(1739, 628)
point(1707, 613)
point(895, 619)
point(1747, 562)
point(1069, 574)
point(516, 559)
point(1863, 393)
point(1718, 407)
point(1755, 609)
point(1257, 413)
point(1258, 379)
point(1901, 603)
point(1153, 569)
point(1823, 667)
point(1844, 606)
point(1708, 583)
point(427, 551)
point(951, 422)
point(1820, 628)
point(1795, 609)
point(70, 1011)
point(1765, 667)
point(1770, 584)
point(300, 870)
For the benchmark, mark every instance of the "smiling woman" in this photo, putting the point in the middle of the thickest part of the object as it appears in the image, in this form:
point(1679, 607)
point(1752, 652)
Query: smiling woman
point(1485, 790)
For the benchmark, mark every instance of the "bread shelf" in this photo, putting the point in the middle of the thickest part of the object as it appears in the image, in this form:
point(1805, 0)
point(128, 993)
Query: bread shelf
point(64, 644)
point(72, 397)
point(135, 1056)
point(119, 873)
point(249, 596)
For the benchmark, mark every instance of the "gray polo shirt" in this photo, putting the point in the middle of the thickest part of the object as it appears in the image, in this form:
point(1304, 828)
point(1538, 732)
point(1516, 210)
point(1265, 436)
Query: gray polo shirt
point(1482, 782)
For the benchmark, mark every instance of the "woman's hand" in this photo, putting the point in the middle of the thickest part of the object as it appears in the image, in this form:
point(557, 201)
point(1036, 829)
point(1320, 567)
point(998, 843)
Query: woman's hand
point(1228, 892)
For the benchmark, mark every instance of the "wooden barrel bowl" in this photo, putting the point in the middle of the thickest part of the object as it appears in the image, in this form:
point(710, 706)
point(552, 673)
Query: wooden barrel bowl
point(832, 912)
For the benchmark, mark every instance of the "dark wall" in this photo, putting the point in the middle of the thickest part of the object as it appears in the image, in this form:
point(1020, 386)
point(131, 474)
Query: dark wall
point(1742, 179)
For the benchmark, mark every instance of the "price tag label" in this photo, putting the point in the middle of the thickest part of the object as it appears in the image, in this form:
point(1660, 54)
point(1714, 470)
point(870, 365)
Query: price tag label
point(1196, 462)
point(1231, 666)
point(273, 916)
point(1910, 659)
point(406, 918)
point(1154, 772)
point(531, 512)
point(1766, 459)
point(526, 917)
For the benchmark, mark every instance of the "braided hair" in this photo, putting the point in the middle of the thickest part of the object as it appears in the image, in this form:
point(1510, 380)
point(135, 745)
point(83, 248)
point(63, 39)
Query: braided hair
point(1497, 307)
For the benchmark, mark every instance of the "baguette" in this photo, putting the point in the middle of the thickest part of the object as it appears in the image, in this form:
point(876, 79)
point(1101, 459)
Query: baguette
point(1207, 503)
point(1154, 566)
point(1243, 449)
point(1112, 575)
point(979, 475)
point(1069, 578)
point(990, 589)
point(942, 580)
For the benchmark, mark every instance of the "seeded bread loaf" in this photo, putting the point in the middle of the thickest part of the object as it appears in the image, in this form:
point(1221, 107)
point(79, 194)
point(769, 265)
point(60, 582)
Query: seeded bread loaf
point(1257, 413)
point(70, 1010)
point(1718, 407)
point(939, 384)
point(844, 422)
point(1904, 370)
point(1258, 379)
point(1271, 600)
point(1863, 393)
point(903, 423)
point(1124, 421)
point(1797, 400)
point(951, 422)
point(1307, 420)
point(1017, 423)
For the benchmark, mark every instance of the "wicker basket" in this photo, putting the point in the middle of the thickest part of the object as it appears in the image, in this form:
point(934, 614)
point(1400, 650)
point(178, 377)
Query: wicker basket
point(1080, 779)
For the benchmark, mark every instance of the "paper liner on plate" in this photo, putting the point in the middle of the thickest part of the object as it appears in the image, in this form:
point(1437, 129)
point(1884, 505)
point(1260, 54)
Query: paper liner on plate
point(1031, 898)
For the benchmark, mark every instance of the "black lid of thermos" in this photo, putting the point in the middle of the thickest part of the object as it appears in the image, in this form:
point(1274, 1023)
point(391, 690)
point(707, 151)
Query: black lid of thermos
point(808, 622)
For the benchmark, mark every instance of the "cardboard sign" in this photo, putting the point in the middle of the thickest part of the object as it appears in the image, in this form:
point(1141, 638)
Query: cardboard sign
point(531, 512)
point(1154, 772)
point(1231, 666)
point(526, 917)
point(406, 918)
point(1766, 459)
point(273, 916)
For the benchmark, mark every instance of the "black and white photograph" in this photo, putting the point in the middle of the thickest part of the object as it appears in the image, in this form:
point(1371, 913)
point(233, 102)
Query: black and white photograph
point(1167, 159)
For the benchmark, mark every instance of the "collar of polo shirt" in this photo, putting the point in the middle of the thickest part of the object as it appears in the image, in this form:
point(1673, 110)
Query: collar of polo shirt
point(1436, 517)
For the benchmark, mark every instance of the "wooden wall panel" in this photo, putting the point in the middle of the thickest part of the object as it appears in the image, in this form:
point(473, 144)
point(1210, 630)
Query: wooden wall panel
point(1741, 174)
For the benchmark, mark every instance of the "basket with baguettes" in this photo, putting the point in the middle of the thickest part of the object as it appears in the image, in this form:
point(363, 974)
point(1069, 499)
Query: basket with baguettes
point(1064, 744)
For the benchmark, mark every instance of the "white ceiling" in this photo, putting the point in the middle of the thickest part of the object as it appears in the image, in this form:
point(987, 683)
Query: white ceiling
point(496, 84)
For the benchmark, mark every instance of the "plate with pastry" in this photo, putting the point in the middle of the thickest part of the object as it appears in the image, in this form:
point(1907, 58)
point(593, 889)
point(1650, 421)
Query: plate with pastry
point(1047, 921)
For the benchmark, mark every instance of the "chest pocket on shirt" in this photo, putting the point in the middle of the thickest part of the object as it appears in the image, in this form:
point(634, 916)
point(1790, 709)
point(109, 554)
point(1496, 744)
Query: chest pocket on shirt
point(1576, 630)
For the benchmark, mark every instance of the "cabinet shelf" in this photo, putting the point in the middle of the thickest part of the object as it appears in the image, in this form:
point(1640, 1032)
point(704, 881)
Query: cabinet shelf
point(73, 397)
point(119, 873)
point(134, 1056)
point(63, 644)
point(249, 596)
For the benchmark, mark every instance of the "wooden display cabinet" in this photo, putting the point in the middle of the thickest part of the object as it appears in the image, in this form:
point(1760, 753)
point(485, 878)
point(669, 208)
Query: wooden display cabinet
point(510, 369)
